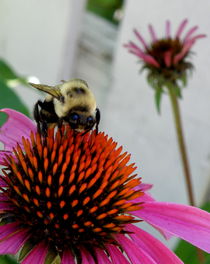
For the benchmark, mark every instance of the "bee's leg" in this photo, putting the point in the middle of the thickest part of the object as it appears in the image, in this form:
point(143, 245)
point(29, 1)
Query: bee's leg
point(41, 123)
point(98, 117)
point(37, 116)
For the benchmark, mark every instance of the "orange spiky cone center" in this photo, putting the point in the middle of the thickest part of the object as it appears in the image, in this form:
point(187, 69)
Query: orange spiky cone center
point(70, 189)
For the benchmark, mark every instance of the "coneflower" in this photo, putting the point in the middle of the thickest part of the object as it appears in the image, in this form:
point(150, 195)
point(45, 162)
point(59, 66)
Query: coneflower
point(75, 198)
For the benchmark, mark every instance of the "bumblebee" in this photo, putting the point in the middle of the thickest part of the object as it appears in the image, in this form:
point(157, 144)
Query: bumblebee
point(71, 102)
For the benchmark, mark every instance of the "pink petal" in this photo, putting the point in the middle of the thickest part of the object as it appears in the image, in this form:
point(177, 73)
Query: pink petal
point(3, 197)
point(184, 51)
point(13, 243)
point(3, 182)
point(196, 37)
point(8, 229)
point(67, 258)
point(167, 58)
point(189, 33)
point(187, 222)
point(102, 257)
point(168, 29)
point(138, 35)
point(145, 186)
point(3, 154)
point(181, 28)
point(116, 255)
point(37, 254)
point(133, 251)
point(6, 206)
point(150, 60)
point(154, 248)
point(17, 126)
point(152, 33)
point(86, 257)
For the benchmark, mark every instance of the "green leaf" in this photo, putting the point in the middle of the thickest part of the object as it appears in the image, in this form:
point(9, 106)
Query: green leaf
point(6, 259)
point(187, 252)
point(9, 99)
point(158, 96)
point(8, 75)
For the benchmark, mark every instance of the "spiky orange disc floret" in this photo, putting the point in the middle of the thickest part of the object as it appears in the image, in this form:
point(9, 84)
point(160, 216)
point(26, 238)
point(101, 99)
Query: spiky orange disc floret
point(69, 189)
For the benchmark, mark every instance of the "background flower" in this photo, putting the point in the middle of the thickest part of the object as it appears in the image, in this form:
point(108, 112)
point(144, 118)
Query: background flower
point(166, 58)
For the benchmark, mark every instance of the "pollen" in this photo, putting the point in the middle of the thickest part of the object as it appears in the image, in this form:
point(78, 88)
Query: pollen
point(70, 188)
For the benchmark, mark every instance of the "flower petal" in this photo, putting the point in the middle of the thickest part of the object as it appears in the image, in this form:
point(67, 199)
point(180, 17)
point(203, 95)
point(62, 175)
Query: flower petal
point(8, 229)
point(133, 251)
point(138, 35)
point(13, 243)
point(167, 58)
point(152, 33)
point(102, 257)
point(189, 33)
point(67, 258)
point(187, 222)
point(168, 29)
point(37, 254)
point(181, 28)
point(116, 255)
point(158, 251)
point(3, 182)
point(3, 153)
point(86, 257)
point(17, 126)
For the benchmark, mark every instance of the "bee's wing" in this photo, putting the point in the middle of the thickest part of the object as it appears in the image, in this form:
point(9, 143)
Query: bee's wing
point(52, 90)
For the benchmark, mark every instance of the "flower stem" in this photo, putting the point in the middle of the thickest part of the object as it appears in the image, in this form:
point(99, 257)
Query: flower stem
point(182, 147)
point(183, 153)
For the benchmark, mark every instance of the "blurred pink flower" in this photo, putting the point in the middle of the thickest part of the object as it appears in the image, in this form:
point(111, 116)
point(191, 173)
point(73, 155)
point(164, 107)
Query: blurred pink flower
point(166, 56)
point(74, 196)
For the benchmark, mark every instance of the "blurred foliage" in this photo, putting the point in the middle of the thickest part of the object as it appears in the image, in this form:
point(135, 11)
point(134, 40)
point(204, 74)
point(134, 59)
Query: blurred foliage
point(187, 252)
point(9, 79)
point(7, 260)
point(105, 8)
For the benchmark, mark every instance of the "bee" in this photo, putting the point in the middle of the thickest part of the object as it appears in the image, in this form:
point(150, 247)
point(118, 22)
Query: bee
point(70, 102)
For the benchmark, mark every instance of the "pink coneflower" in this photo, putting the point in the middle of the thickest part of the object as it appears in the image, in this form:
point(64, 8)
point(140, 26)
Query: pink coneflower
point(166, 58)
point(74, 197)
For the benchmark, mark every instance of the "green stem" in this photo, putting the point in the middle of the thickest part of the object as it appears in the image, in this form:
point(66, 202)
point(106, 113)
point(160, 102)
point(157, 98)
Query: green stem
point(182, 147)
point(183, 152)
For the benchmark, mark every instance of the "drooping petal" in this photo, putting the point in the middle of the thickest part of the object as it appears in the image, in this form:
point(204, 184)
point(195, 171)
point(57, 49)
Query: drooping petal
point(139, 36)
point(133, 251)
point(3, 181)
point(155, 249)
point(12, 244)
point(168, 29)
point(189, 33)
point(8, 229)
point(192, 40)
point(152, 33)
point(167, 58)
point(187, 222)
point(181, 28)
point(102, 257)
point(116, 255)
point(3, 153)
point(145, 186)
point(37, 254)
point(86, 257)
point(67, 258)
point(17, 126)
point(150, 60)
point(184, 51)
point(6, 206)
